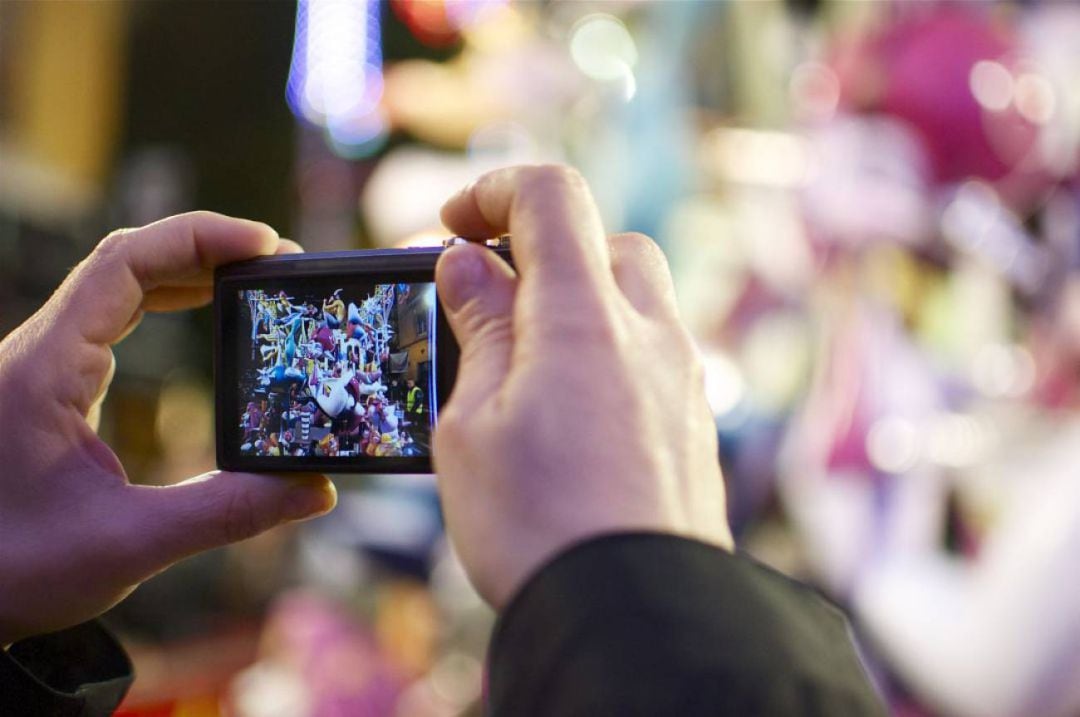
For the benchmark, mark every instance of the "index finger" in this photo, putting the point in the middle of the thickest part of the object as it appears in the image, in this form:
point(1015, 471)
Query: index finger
point(558, 242)
point(105, 292)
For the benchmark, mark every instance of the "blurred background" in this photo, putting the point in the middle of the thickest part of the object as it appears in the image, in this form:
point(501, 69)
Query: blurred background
point(872, 212)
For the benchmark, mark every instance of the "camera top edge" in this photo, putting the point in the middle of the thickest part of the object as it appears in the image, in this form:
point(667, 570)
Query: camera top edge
point(364, 260)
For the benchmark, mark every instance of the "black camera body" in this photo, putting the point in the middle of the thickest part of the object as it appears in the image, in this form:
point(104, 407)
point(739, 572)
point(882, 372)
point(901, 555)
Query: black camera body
point(333, 362)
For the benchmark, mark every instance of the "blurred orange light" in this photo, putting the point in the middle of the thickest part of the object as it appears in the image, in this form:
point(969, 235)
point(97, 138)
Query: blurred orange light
point(427, 20)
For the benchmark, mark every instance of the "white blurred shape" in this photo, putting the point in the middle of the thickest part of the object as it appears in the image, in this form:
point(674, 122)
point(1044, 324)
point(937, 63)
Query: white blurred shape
point(1003, 371)
point(991, 84)
point(335, 80)
point(752, 156)
point(976, 221)
point(972, 214)
point(893, 444)
point(629, 84)
point(457, 679)
point(955, 440)
point(724, 385)
point(407, 188)
point(402, 198)
point(428, 297)
point(999, 635)
point(349, 132)
point(602, 48)
point(270, 690)
point(336, 65)
point(866, 180)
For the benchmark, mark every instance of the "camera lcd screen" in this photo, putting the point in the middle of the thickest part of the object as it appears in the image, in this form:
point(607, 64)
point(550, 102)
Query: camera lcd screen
point(334, 370)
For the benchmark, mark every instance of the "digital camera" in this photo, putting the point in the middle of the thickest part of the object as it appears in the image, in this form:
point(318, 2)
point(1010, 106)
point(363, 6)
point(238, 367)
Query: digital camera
point(332, 362)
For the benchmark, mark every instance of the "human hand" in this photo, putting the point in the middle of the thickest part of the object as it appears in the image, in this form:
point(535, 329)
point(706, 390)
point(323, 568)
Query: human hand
point(75, 536)
point(579, 407)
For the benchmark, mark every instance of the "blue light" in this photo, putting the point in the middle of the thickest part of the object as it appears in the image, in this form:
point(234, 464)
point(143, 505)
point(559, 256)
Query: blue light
point(335, 80)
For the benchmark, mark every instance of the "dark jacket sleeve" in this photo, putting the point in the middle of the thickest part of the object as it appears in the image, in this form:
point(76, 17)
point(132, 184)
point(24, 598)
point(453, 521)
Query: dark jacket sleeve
point(657, 625)
point(78, 672)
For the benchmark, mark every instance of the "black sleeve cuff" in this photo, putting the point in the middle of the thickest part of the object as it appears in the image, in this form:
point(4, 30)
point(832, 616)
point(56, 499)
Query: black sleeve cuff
point(78, 672)
point(652, 624)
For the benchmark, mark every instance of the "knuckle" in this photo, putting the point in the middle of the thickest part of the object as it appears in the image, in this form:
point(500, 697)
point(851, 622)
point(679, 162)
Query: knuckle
point(583, 329)
point(114, 241)
point(637, 240)
point(450, 422)
point(110, 251)
point(452, 430)
point(647, 245)
point(187, 222)
point(686, 348)
point(639, 247)
point(558, 175)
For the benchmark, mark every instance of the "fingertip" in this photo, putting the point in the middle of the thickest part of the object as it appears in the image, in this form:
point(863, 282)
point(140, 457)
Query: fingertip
point(268, 229)
point(451, 212)
point(262, 228)
point(463, 215)
point(244, 235)
point(288, 246)
point(331, 490)
point(455, 200)
point(460, 273)
point(308, 502)
point(309, 495)
point(208, 239)
point(207, 221)
point(457, 258)
point(298, 496)
point(268, 236)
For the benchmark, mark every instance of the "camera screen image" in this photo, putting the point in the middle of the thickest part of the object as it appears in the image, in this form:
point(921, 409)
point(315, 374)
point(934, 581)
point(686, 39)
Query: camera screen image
point(337, 370)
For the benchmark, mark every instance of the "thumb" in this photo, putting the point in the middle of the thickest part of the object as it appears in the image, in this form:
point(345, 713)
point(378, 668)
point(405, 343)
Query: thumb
point(477, 289)
point(219, 508)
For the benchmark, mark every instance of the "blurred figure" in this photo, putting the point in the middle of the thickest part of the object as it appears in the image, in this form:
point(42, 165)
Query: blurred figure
point(931, 470)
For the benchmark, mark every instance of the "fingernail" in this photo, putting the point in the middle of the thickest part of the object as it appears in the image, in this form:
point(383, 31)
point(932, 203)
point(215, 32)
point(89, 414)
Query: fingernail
point(309, 501)
point(463, 274)
point(288, 246)
point(266, 227)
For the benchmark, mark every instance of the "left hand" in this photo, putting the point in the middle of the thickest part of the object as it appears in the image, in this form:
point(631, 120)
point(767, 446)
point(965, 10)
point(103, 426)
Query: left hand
point(75, 536)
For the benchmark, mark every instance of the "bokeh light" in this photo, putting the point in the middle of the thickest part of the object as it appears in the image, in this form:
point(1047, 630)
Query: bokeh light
point(992, 85)
point(335, 80)
point(604, 50)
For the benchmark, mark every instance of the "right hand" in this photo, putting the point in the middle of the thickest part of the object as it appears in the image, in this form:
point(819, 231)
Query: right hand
point(579, 407)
